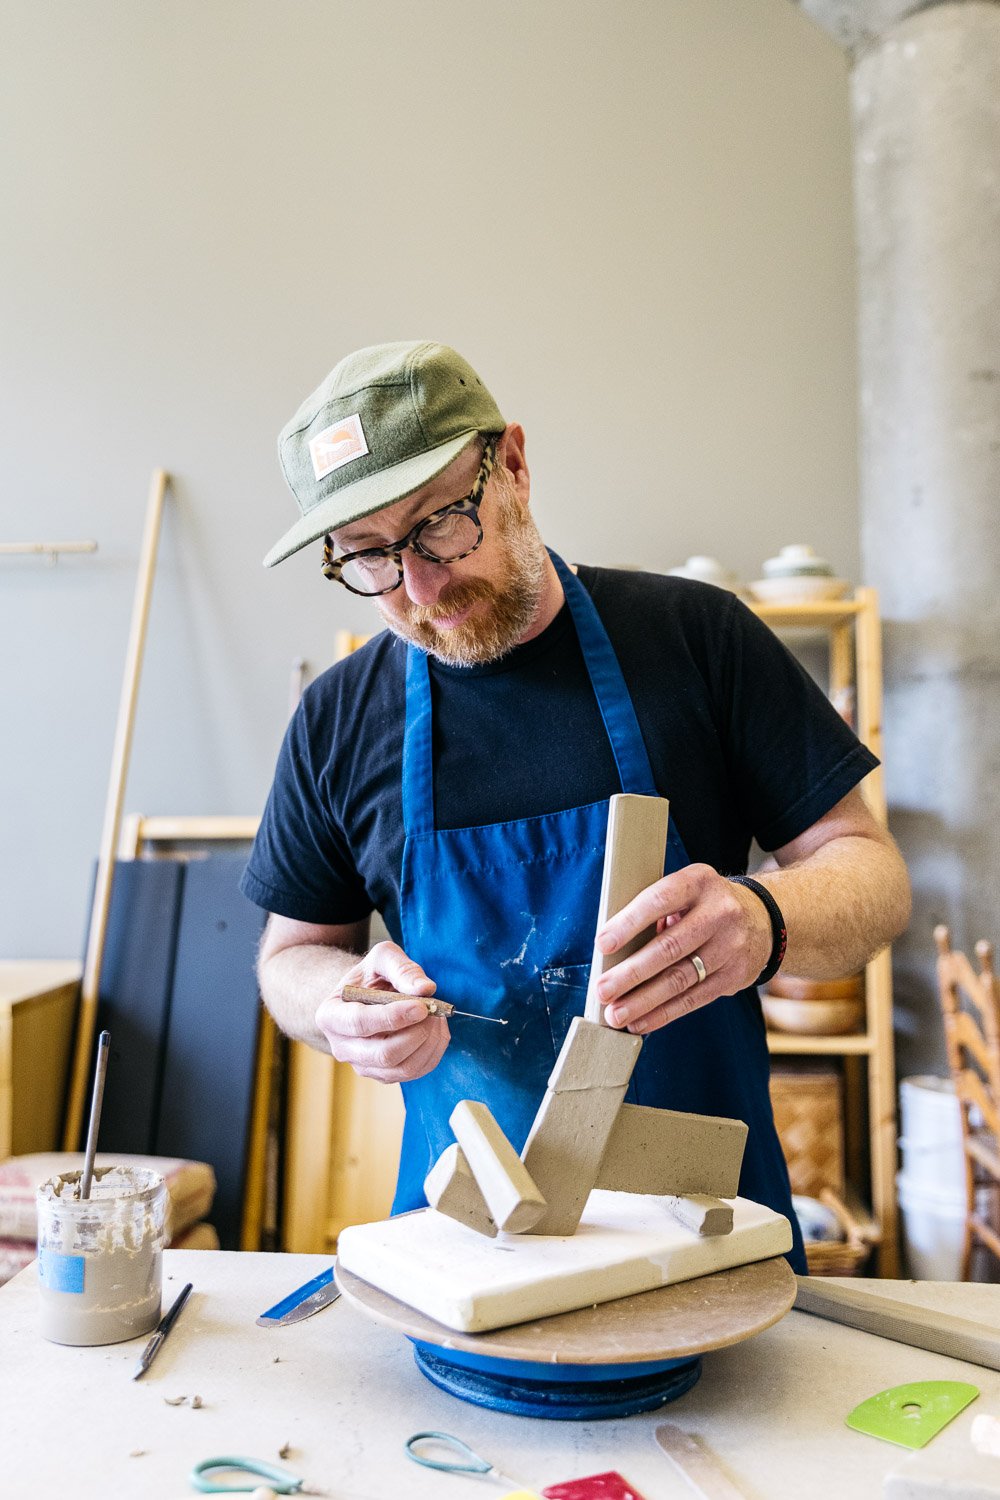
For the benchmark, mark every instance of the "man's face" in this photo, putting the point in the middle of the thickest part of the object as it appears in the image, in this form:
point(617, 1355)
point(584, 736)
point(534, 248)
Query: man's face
point(476, 609)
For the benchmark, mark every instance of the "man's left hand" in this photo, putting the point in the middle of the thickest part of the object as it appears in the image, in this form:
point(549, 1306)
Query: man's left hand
point(697, 913)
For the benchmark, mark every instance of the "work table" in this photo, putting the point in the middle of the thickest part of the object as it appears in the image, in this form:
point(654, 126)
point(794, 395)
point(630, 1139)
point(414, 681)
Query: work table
point(344, 1394)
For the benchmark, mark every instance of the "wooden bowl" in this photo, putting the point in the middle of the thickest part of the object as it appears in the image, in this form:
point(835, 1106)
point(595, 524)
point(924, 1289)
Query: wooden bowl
point(790, 988)
point(813, 1017)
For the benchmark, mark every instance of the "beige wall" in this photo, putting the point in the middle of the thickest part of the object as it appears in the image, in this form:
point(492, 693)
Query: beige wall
point(634, 218)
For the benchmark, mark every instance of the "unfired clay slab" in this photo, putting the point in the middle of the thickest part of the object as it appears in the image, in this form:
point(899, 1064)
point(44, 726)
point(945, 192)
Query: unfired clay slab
point(626, 1243)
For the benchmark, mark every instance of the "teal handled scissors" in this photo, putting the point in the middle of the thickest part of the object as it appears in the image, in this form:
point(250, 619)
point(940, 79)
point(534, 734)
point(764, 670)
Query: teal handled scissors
point(202, 1477)
point(462, 1460)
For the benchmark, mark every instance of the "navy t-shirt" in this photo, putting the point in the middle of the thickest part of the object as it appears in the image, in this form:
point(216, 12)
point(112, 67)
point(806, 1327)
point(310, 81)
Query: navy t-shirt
point(740, 738)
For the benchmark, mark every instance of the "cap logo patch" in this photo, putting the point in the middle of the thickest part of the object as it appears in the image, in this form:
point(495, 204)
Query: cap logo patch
point(337, 445)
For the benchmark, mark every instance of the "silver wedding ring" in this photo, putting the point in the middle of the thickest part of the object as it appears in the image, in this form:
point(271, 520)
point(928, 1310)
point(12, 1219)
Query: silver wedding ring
point(699, 967)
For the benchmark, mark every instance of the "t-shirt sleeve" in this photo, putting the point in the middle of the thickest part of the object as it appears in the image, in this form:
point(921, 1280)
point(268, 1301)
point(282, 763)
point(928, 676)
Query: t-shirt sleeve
point(301, 865)
point(792, 757)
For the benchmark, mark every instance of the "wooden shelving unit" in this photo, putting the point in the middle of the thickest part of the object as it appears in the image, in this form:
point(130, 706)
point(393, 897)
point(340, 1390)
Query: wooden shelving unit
point(855, 679)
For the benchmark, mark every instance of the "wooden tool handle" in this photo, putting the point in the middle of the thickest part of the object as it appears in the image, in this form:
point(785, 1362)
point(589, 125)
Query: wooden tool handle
point(365, 996)
point(906, 1322)
point(700, 1468)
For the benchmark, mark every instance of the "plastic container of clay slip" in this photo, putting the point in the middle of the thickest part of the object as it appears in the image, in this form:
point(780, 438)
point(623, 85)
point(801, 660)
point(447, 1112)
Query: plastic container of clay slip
point(100, 1259)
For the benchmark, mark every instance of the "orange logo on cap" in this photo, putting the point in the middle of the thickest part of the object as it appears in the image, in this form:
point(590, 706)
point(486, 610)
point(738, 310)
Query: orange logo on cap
point(337, 445)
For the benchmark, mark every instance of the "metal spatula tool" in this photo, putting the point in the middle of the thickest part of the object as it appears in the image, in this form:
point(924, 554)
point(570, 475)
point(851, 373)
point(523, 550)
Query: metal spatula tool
point(307, 1299)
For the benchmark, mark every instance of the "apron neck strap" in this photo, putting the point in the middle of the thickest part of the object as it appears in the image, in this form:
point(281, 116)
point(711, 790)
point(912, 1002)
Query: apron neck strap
point(617, 713)
point(628, 747)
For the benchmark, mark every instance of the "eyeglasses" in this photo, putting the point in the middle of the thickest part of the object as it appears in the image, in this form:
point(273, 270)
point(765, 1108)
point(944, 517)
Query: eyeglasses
point(446, 535)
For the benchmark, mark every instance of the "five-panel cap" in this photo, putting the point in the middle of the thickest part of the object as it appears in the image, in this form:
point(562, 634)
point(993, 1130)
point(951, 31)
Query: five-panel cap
point(385, 421)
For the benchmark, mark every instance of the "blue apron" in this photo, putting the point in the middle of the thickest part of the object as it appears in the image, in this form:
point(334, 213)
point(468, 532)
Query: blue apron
point(502, 917)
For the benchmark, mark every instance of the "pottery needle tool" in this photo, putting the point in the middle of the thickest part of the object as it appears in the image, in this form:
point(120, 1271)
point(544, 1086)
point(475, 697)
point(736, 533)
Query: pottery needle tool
point(164, 1326)
point(96, 1101)
point(435, 1007)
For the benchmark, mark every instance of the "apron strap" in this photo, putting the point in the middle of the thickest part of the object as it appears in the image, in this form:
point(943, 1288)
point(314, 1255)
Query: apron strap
point(620, 722)
point(418, 749)
point(627, 744)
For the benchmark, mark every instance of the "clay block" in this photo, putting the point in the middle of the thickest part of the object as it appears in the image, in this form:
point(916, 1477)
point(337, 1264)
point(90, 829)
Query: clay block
point(670, 1153)
point(889, 1318)
point(451, 1189)
point(513, 1200)
point(634, 855)
point(701, 1213)
point(594, 1057)
point(564, 1149)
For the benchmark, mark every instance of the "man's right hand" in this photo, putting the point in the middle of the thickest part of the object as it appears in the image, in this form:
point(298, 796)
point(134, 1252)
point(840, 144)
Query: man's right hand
point(393, 1043)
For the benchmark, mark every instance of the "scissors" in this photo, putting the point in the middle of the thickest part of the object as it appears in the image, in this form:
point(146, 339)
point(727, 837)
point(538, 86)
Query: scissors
point(460, 1451)
point(279, 1480)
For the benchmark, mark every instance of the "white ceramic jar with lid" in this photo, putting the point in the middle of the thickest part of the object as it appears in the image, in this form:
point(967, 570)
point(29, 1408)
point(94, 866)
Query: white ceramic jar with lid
point(796, 561)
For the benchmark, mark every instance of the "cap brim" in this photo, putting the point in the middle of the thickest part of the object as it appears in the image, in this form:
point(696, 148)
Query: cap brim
point(367, 495)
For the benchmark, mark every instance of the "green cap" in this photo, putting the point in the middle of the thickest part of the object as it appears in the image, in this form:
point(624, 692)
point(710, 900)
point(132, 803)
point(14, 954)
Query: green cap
point(385, 421)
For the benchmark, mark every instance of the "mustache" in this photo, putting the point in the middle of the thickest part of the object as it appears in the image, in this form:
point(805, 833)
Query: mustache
point(458, 597)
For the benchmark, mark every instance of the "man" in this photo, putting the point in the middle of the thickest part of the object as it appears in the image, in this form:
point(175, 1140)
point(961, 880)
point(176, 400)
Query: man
point(453, 775)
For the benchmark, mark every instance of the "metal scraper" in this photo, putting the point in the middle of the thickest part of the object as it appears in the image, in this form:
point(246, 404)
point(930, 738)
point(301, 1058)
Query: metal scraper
point(310, 1298)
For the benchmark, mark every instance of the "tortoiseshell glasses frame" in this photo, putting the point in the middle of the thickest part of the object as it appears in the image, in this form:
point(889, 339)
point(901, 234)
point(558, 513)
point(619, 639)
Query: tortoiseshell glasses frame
point(433, 529)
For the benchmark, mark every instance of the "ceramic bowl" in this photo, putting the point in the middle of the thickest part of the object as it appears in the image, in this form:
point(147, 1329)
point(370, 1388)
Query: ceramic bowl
point(790, 987)
point(796, 559)
point(813, 1017)
point(707, 570)
point(799, 589)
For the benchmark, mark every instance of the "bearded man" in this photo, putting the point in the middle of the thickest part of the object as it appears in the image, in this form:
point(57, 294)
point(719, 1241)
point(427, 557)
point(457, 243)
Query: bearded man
point(453, 775)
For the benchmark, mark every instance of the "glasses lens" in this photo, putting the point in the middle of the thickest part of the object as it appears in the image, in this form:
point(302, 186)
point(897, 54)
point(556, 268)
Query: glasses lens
point(370, 575)
point(451, 536)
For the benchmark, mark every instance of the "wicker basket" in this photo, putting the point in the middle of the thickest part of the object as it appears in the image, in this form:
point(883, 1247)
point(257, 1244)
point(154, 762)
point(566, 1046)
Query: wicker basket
point(808, 1112)
point(844, 1257)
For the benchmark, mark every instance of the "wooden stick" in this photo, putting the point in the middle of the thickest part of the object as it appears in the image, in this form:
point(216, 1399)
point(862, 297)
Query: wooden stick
point(113, 812)
point(698, 1465)
point(905, 1322)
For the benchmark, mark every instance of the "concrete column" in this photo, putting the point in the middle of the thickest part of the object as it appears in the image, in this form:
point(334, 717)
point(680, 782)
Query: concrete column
point(926, 99)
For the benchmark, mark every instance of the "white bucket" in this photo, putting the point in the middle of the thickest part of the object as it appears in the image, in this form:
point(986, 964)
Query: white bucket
point(933, 1231)
point(931, 1142)
point(928, 1110)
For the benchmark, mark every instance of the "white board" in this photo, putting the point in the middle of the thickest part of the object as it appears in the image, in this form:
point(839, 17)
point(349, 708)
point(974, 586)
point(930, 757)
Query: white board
point(626, 1243)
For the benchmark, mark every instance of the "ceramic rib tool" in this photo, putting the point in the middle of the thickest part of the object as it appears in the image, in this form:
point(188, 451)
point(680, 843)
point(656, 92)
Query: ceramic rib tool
point(911, 1415)
point(435, 1007)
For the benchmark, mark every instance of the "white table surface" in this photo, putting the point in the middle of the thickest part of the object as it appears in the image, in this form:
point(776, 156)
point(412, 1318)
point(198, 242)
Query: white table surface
point(344, 1392)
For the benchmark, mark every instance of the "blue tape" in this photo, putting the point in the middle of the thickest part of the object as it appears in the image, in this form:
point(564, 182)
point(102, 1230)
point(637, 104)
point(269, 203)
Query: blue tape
point(60, 1273)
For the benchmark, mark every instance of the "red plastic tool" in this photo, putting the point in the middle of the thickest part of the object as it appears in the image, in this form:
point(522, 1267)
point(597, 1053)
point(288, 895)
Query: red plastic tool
point(609, 1486)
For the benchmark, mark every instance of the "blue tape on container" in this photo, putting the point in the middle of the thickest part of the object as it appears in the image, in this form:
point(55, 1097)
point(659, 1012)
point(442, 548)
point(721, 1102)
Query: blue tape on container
point(60, 1273)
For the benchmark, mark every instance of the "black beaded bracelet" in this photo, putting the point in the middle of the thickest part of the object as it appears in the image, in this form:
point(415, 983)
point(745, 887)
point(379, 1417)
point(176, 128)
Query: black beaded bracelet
point(779, 933)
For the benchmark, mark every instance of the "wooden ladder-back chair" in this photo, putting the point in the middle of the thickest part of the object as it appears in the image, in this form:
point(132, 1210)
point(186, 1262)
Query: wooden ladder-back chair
point(970, 1004)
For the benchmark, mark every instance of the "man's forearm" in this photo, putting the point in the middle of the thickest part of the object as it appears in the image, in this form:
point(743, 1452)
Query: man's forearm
point(841, 904)
point(295, 980)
